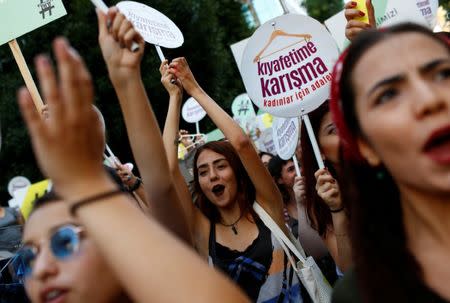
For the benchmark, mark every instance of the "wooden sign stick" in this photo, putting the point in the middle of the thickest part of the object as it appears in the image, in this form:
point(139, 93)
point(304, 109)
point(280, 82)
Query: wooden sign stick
point(29, 82)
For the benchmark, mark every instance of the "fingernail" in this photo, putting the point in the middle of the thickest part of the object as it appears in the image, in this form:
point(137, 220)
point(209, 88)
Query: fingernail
point(362, 14)
point(74, 53)
point(353, 3)
point(108, 24)
point(42, 60)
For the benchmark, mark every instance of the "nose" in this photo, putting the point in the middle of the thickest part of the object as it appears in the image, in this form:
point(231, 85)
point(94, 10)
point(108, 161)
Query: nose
point(45, 265)
point(213, 174)
point(428, 99)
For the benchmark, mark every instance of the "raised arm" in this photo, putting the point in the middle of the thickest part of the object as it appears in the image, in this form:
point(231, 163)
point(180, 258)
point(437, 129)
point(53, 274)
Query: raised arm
point(142, 127)
point(197, 221)
point(267, 193)
point(68, 148)
point(337, 240)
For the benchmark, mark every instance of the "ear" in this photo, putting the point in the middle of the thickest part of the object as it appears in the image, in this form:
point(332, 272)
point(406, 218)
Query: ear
point(368, 153)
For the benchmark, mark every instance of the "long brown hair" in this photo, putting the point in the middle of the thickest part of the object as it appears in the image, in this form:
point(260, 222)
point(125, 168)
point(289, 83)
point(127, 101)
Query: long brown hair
point(246, 193)
point(385, 266)
point(318, 212)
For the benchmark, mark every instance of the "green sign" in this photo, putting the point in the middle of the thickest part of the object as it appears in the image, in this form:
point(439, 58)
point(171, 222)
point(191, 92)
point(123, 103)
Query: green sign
point(19, 17)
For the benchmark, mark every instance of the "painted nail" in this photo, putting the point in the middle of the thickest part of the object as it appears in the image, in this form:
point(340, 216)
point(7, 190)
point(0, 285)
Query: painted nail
point(353, 4)
point(362, 14)
point(108, 24)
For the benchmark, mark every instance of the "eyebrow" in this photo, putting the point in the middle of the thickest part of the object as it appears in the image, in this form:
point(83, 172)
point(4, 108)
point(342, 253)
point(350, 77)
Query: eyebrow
point(398, 78)
point(214, 162)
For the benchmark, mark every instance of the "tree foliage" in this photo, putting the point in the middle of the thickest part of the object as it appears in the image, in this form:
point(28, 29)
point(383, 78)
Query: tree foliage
point(209, 27)
point(321, 10)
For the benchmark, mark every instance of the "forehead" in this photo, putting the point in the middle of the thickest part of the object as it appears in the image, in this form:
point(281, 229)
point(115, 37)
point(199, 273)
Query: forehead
point(326, 119)
point(398, 54)
point(45, 219)
point(208, 156)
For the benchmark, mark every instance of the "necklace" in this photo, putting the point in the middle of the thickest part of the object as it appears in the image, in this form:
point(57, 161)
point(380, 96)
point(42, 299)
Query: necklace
point(233, 225)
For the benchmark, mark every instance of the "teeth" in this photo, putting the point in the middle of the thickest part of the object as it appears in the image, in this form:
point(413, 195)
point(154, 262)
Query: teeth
point(53, 294)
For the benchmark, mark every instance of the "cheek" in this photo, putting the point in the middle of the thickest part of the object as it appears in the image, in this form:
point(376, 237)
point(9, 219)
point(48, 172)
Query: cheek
point(32, 290)
point(89, 267)
point(330, 147)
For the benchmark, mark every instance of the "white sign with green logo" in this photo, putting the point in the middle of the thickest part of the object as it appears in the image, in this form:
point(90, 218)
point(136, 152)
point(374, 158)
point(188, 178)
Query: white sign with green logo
point(23, 16)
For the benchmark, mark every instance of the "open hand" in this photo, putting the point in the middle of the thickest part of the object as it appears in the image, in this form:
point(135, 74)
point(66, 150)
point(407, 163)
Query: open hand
point(68, 144)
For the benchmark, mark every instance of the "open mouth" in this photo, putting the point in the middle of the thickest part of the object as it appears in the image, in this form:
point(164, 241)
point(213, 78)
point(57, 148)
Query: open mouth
point(218, 190)
point(54, 296)
point(438, 145)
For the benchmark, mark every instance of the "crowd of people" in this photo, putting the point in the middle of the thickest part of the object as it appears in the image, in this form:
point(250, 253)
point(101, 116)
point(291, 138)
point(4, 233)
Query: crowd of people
point(375, 219)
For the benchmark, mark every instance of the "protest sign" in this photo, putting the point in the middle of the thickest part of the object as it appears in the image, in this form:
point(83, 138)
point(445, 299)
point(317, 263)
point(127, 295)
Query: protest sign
point(25, 197)
point(192, 112)
point(154, 26)
point(387, 12)
point(266, 143)
point(17, 183)
point(285, 133)
point(23, 16)
point(287, 64)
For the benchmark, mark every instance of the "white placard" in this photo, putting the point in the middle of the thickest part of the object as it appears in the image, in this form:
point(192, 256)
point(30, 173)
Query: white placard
point(238, 49)
point(285, 133)
point(387, 13)
point(192, 112)
point(242, 107)
point(153, 25)
point(287, 65)
point(429, 8)
point(17, 183)
point(266, 142)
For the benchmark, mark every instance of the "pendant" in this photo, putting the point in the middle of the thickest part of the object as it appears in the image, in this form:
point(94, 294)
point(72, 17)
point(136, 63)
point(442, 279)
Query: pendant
point(233, 228)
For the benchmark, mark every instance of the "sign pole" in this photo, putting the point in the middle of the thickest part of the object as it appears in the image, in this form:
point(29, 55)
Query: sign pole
point(313, 140)
point(197, 127)
point(297, 167)
point(24, 70)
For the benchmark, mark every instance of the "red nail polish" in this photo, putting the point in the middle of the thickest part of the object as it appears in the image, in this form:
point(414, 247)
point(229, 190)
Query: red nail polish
point(353, 4)
point(362, 14)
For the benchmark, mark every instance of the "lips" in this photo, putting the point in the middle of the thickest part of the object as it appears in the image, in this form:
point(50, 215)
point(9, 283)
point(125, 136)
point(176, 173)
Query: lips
point(437, 146)
point(218, 190)
point(54, 295)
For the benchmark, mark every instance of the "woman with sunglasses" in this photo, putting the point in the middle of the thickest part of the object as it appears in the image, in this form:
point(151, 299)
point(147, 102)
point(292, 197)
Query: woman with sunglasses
point(391, 105)
point(94, 241)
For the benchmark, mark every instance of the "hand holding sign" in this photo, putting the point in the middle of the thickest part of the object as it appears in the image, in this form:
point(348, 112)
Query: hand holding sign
point(121, 61)
point(180, 69)
point(167, 79)
point(354, 24)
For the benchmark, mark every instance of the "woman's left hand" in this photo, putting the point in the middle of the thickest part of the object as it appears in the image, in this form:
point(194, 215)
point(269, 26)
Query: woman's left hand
point(328, 189)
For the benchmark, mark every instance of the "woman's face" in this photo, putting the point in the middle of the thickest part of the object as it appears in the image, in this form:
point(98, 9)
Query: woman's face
point(328, 139)
point(83, 277)
point(287, 174)
point(402, 94)
point(217, 179)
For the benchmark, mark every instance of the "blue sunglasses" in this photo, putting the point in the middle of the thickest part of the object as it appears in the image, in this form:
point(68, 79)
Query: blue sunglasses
point(64, 243)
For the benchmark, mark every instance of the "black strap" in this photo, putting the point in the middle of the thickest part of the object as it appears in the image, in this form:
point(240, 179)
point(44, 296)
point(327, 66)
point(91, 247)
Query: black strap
point(212, 242)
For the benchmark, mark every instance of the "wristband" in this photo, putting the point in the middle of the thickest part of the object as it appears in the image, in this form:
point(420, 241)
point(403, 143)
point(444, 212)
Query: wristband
point(136, 185)
point(337, 210)
point(74, 208)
